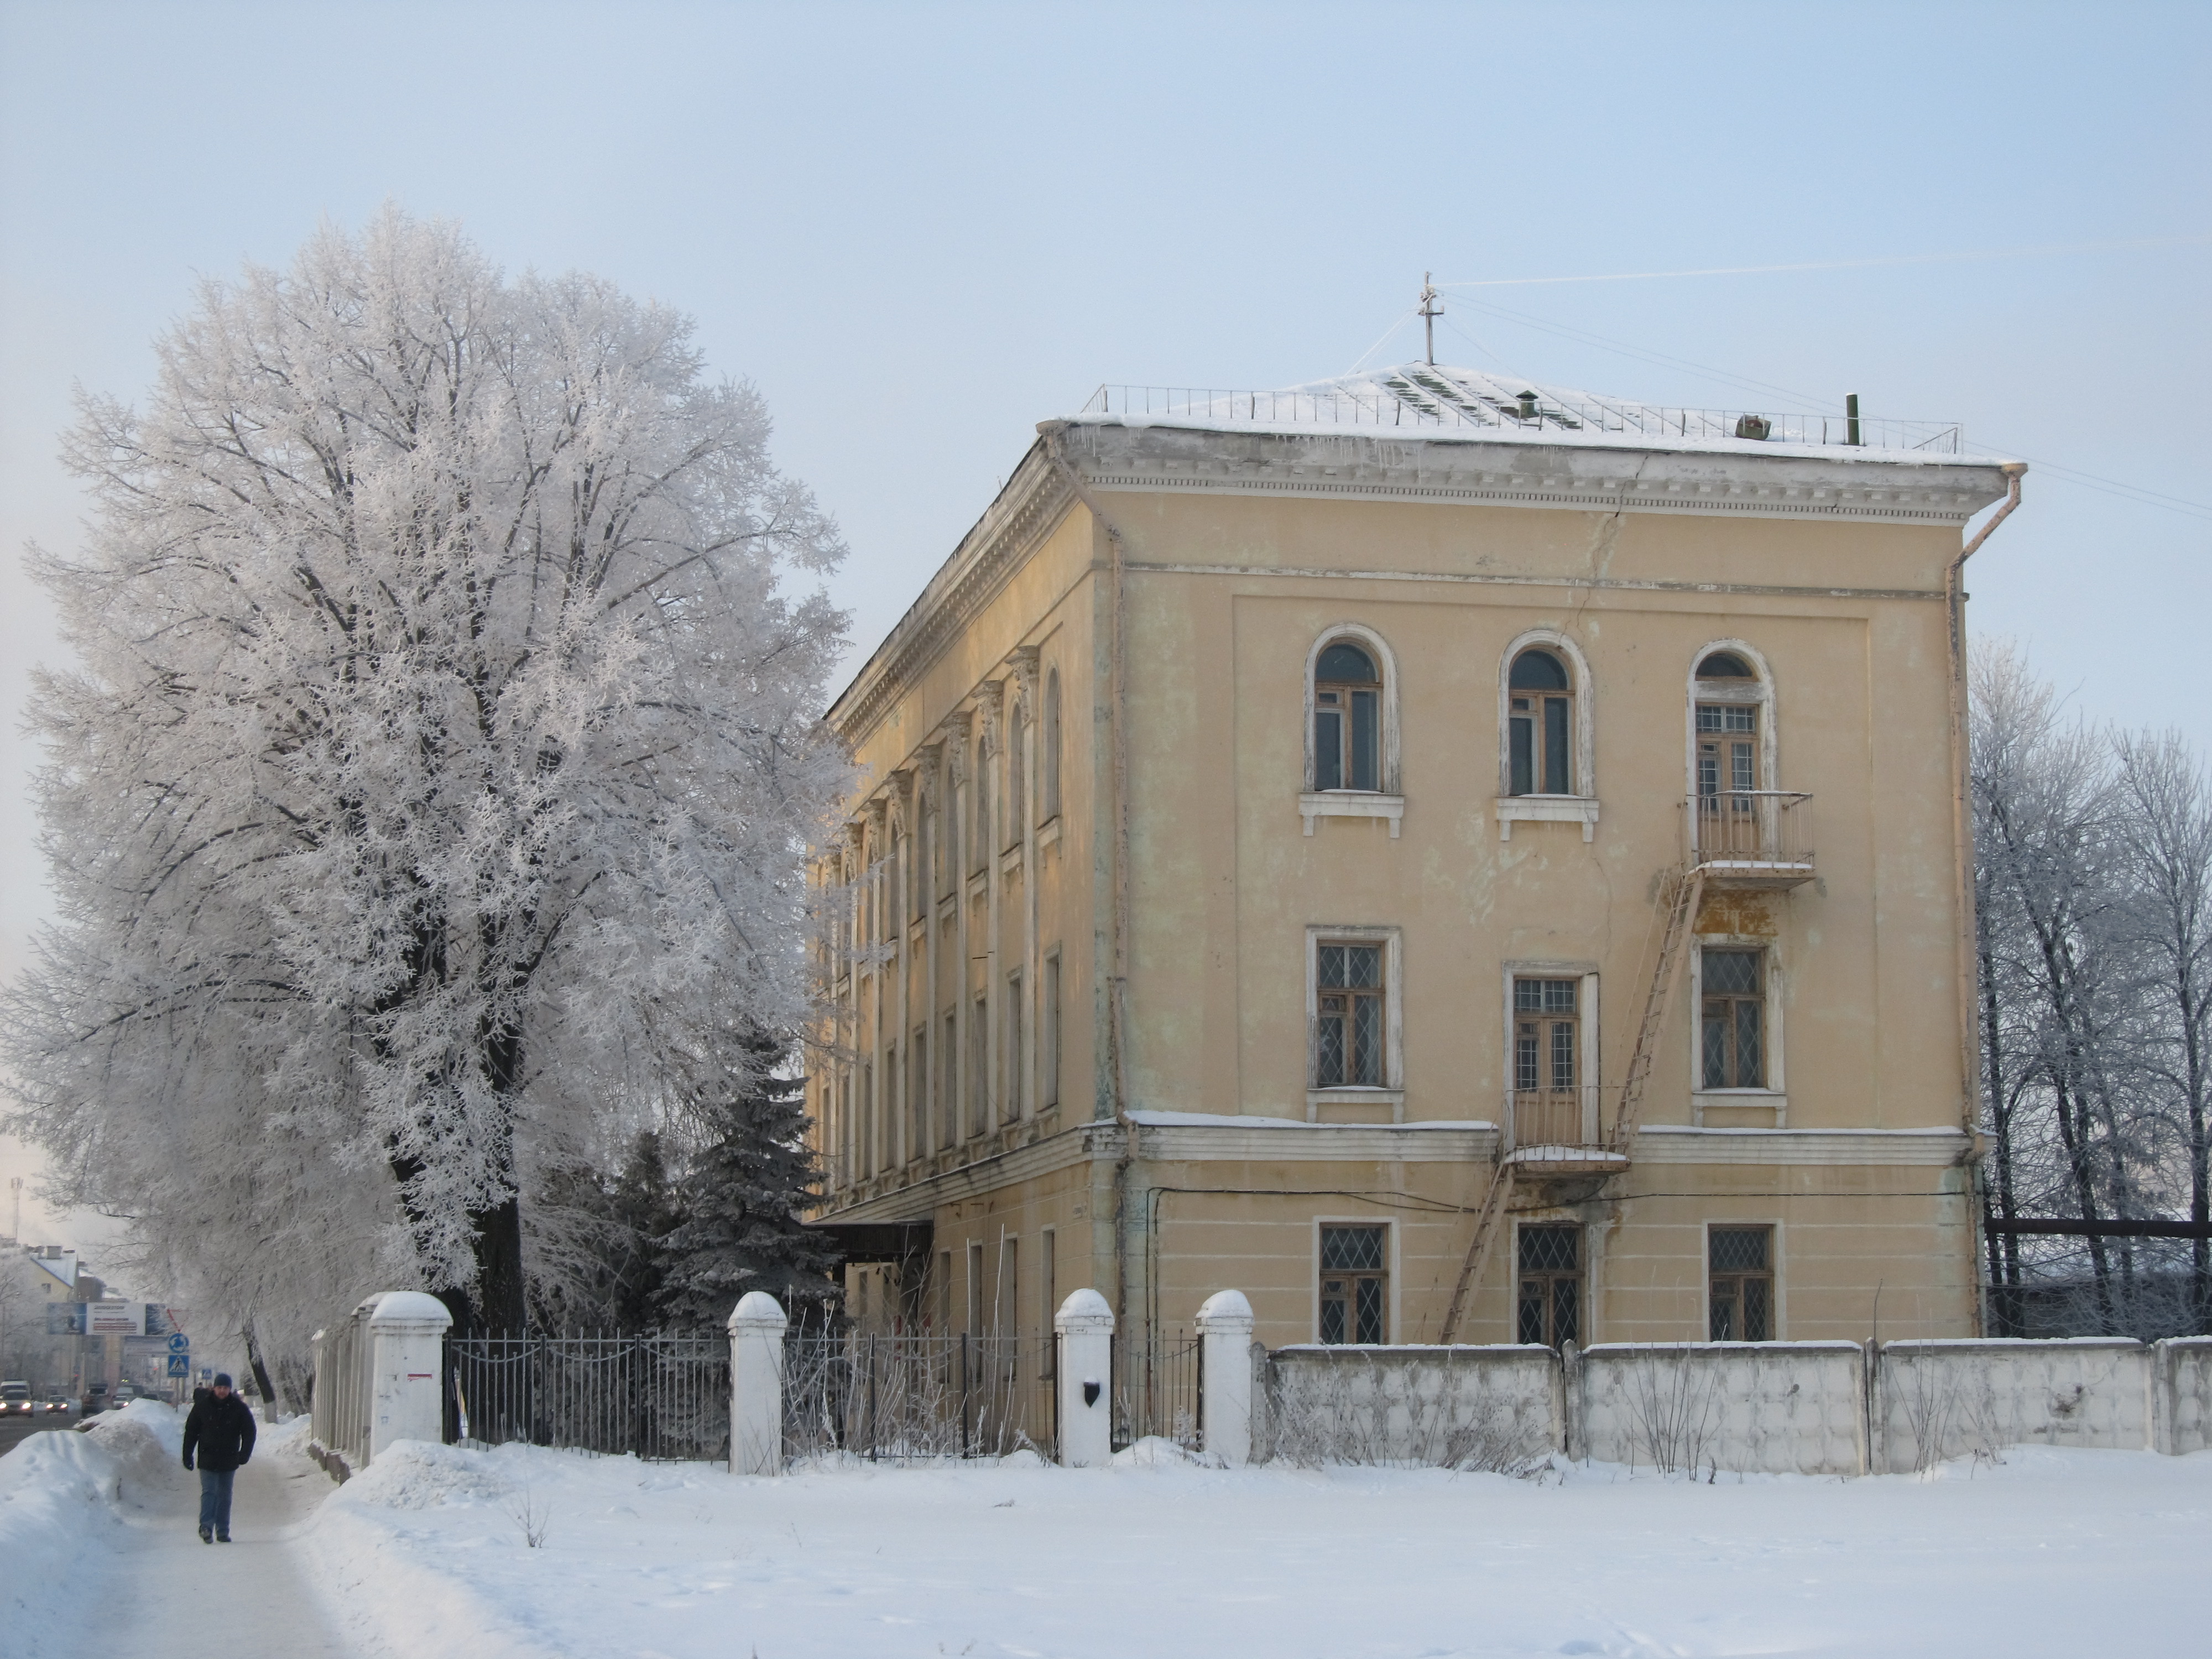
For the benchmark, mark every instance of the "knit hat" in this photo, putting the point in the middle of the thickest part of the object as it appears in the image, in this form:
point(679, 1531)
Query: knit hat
point(223, 1379)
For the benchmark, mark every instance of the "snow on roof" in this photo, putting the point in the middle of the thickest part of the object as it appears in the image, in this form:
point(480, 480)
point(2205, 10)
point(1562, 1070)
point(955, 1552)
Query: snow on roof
point(1434, 401)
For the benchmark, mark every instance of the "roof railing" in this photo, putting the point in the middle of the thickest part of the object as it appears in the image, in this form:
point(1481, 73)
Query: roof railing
point(1410, 401)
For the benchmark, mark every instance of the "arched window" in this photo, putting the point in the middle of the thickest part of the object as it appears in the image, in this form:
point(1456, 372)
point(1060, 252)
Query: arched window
point(1539, 725)
point(1732, 735)
point(1050, 735)
point(1347, 718)
point(1547, 749)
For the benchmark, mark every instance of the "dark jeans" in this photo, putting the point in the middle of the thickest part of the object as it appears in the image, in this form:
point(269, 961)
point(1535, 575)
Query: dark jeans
point(215, 1499)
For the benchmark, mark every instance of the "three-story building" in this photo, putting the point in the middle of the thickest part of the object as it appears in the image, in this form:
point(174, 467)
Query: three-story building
point(1453, 861)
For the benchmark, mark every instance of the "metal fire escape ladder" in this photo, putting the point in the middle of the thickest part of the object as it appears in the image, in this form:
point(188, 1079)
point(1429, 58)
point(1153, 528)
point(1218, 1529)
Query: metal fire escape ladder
point(1680, 896)
point(1683, 890)
point(1478, 1248)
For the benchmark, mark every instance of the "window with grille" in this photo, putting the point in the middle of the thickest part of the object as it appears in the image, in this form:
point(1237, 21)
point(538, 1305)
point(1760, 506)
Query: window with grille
point(1544, 1033)
point(1048, 1044)
point(1017, 729)
point(1349, 1017)
point(1012, 1101)
point(1550, 1285)
point(1355, 1285)
point(1347, 722)
point(1539, 726)
point(1732, 1020)
point(1742, 1284)
point(979, 1068)
point(1049, 738)
point(918, 1081)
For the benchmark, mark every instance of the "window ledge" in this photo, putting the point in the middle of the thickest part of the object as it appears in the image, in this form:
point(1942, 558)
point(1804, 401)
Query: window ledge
point(1048, 832)
point(1393, 1100)
point(1352, 804)
point(1547, 809)
point(1740, 1108)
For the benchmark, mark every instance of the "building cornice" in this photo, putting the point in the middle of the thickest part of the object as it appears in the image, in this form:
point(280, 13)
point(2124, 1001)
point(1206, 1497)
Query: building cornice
point(921, 1199)
point(1189, 1139)
point(1667, 1143)
point(1884, 486)
point(1016, 524)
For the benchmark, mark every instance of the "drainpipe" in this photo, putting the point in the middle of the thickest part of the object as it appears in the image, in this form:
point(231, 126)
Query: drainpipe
point(1054, 434)
point(1962, 826)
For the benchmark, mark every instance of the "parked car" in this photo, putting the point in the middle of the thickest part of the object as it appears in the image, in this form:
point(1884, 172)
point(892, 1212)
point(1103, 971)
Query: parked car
point(14, 1400)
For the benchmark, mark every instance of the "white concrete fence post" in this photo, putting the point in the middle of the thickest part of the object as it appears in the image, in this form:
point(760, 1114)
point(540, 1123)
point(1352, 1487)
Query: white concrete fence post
point(407, 1368)
point(1225, 1329)
point(1085, 1325)
point(756, 1328)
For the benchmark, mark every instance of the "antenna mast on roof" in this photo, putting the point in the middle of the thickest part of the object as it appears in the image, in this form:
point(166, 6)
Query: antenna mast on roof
point(1429, 312)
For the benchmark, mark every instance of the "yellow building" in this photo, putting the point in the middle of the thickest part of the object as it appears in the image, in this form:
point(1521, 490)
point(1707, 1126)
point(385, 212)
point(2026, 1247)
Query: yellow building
point(1453, 861)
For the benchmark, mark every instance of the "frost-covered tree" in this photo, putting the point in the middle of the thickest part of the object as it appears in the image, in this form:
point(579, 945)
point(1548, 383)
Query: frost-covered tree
point(443, 737)
point(2094, 891)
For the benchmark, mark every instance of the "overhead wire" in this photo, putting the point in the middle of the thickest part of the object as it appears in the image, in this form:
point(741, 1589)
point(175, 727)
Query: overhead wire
point(1396, 323)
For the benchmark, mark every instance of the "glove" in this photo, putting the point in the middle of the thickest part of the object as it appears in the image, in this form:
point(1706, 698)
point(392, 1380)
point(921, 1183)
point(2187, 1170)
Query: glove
point(188, 1461)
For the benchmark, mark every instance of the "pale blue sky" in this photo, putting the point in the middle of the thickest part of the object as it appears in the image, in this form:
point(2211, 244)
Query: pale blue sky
point(920, 230)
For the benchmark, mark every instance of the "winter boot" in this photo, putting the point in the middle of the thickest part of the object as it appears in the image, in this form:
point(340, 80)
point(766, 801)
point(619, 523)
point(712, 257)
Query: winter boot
point(207, 1534)
point(222, 1538)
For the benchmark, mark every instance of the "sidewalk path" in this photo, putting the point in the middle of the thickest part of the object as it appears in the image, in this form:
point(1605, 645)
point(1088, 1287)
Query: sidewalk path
point(170, 1594)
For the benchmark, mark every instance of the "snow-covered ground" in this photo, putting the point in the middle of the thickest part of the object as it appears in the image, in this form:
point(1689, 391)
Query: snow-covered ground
point(100, 1555)
point(426, 1556)
point(2056, 1552)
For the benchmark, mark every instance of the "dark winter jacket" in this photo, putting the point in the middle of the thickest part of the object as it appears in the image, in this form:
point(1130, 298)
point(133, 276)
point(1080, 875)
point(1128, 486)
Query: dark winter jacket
point(222, 1430)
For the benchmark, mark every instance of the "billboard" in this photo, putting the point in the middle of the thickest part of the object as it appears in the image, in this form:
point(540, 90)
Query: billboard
point(115, 1319)
point(65, 1319)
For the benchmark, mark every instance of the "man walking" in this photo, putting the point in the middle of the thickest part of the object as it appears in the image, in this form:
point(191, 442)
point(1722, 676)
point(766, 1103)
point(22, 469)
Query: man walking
point(221, 1429)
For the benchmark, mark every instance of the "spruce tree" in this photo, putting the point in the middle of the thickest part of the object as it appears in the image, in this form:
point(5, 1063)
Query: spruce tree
point(738, 1203)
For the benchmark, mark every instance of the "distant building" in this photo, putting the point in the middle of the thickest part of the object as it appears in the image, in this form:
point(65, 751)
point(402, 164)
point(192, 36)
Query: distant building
point(1452, 860)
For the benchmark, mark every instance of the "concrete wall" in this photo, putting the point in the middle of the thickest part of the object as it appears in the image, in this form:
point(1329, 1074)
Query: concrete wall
point(1456, 1407)
point(1777, 1408)
point(2182, 1387)
point(1772, 1408)
point(1935, 1400)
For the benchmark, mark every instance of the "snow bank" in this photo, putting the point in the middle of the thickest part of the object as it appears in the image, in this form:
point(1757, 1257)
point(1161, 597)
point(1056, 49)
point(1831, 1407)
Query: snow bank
point(62, 1497)
point(428, 1556)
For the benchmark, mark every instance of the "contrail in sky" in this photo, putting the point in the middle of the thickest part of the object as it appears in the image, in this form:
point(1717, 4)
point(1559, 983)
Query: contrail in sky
point(1849, 264)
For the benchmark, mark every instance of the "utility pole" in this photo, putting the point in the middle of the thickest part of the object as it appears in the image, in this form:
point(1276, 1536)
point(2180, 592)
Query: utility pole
point(1429, 312)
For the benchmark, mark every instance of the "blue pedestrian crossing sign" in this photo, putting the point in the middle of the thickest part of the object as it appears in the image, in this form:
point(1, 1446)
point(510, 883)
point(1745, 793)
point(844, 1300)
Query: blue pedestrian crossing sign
point(180, 1343)
point(180, 1364)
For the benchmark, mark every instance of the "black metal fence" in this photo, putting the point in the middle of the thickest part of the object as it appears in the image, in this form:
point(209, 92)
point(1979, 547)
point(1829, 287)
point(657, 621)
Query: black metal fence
point(658, 1396)
point(1159, 1388)
point(901, 1397)
point(906, 1397)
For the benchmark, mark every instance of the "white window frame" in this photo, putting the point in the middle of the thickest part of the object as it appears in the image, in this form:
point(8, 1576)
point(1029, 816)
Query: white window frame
point(1389, 803)
point(1586, 1012)
point(1391, 1323)
point(1775, 1261)
point(1586, 1241)
point(1581, 806)
point(1776, 1094)
point(1393, 1091)
point(1761, 696)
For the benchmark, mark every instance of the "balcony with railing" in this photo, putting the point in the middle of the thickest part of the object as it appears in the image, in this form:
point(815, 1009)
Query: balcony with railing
point(1557, 1132)
point(1752, 838)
